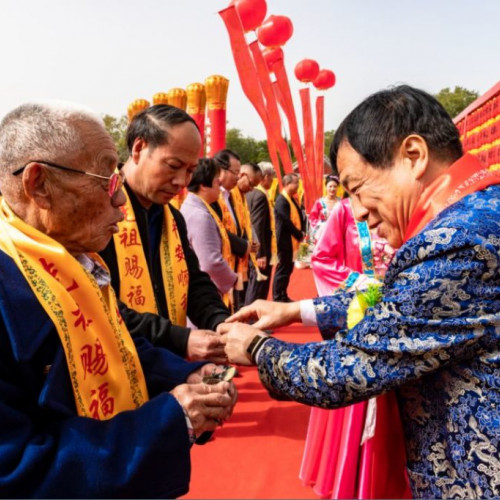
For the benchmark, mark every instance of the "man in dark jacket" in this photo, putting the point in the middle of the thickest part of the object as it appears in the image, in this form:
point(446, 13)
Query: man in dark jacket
point(262, 217)
point(290, 227)
point(153, 268)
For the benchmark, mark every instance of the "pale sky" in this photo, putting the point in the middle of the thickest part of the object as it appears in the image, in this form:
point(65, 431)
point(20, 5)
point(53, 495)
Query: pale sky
point(106, 53)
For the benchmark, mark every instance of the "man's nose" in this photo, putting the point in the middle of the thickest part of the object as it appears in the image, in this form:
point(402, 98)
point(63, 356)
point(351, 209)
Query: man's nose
point(360, 212)
point(182, 178)
point(118, 199)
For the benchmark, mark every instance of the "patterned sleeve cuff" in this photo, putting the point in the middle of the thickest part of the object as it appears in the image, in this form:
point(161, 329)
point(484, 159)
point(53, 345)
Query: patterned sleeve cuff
point(331, 312)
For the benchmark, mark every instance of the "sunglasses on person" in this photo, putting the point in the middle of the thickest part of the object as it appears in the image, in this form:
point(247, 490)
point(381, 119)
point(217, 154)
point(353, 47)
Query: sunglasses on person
point(115, 180)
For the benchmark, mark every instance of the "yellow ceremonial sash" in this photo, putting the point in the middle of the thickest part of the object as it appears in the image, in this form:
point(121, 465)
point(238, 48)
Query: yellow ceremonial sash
point(243, 214)
point(102, 360)
point(273, 192)
point(274, 244)
point(227, 218)
point(226, 247)
point(136, 288)
point(295, 218)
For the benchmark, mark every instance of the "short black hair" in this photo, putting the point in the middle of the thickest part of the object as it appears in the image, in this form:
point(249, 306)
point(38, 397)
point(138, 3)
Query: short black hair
point(152, 123)
point(289, 178)
point(223, 157)
point(205, 173)
point(377, 126)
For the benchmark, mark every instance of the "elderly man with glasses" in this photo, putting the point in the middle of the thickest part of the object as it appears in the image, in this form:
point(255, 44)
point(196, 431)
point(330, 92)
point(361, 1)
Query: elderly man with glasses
point(85, 409)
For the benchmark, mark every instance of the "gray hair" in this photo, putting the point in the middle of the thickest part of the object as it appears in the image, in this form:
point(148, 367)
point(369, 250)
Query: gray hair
point(289, 178)
point(42, 131)
point(267, 168)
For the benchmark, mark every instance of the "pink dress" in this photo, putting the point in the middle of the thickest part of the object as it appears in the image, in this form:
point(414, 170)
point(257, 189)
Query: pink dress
point(317, 217)
point(357, 451)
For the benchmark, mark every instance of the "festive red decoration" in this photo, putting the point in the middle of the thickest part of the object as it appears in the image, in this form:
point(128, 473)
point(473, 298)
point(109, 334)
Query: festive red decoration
point(306, 70)
point(271, 55)
point(324, 80)
point(251, 12)
point(275, 31)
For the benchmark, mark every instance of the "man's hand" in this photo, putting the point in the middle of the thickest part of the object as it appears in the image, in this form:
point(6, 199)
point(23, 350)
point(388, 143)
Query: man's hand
point(266, 315)
point(206, 405)
point(262, 262)
point(205, 345)
point(237, 340)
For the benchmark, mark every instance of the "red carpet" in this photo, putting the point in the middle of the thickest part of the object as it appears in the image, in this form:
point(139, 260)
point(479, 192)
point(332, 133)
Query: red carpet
point(257, 454)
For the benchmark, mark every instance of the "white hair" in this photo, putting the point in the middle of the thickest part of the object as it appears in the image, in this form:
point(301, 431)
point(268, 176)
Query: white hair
point(42, 131)
point(267, 168)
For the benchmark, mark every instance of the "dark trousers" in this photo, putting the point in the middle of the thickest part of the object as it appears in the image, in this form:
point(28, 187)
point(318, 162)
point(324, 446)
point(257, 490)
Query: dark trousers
point(282, 277)
point(257, 289)
point(239, 297)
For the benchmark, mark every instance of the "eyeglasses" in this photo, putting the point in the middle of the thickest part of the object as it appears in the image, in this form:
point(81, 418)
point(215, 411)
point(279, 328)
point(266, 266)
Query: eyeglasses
point(236, 174)
point(115, 180)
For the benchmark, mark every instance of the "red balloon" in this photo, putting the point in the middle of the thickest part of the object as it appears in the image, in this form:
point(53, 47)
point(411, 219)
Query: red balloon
point(251, 12)
point(271, 55)
point(306, 70)
point(324, 80)
point(275, 31)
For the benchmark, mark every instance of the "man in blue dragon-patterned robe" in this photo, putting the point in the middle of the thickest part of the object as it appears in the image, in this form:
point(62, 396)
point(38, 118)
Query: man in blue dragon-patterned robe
point(434, 335)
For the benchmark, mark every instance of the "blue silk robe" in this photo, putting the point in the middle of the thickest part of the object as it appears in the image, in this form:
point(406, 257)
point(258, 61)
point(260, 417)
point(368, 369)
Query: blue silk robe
point(46, 450)
point(434, 338)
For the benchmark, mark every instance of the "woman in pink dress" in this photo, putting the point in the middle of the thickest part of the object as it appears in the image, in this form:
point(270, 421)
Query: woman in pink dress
point(322, 208)
point(357, 451)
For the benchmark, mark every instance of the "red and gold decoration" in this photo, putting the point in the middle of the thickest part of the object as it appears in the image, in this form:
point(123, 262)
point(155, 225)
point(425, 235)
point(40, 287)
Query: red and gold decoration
point(177, 97)
point(196, 103)
point(160, 98)
point(135, 107)
point(216, 87)
point(479, 127)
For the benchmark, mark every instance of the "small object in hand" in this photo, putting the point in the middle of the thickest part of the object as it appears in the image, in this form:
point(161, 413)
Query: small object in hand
point(226, 375)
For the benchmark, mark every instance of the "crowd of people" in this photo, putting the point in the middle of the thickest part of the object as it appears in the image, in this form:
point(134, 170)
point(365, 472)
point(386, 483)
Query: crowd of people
point(119, 314)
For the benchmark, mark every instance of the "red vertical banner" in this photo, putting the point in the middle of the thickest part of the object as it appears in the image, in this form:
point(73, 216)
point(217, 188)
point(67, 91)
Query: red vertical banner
point(216, 93)
point(272, 106)
point(284, 95)
point(319, 144)
point(196, 102)
point(307, 121)
point(247, 74)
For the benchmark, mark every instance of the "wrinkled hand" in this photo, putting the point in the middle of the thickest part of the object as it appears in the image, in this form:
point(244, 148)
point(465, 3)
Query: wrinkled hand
point(266, 315)
point(237, 340)
point(205, 345)
point(206, 405)
point(262, 262)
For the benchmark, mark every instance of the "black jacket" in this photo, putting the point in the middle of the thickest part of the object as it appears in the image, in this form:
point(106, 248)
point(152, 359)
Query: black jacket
point(284, 225)
point(205, 307)
point(261, 221)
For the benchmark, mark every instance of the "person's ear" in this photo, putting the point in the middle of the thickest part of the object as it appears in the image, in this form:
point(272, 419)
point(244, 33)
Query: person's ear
point(36, 185)
point(137, 148)
point(415, 151)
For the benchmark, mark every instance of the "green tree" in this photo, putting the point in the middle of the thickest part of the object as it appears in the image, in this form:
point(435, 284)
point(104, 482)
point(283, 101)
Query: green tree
point(457, 100)
point(328, 140)
point(117, 128)
point(248, 148)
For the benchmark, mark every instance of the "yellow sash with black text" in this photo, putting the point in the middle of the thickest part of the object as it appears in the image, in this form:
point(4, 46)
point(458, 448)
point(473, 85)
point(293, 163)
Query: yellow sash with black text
point(103, 365)
point(136, 287)
point(295, 218)
point(274, 244)
point(225, 250)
